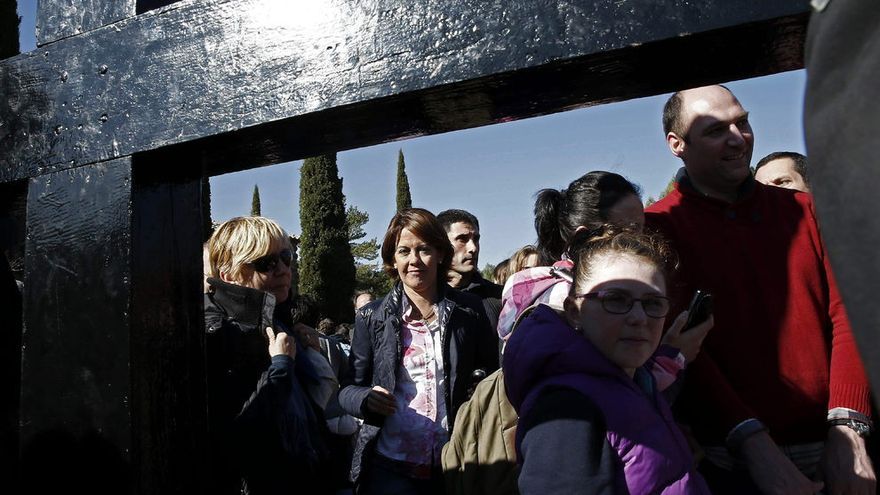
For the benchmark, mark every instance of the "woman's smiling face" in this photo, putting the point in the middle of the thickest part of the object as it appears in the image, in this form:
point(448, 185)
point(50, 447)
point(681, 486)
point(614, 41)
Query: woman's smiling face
point(416, 262)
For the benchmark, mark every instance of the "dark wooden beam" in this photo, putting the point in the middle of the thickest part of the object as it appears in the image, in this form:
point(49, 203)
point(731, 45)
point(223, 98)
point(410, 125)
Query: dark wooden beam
point(262, 74)
point(76, 347)
point(168, 401)
point(113, 393)
point(62, 18)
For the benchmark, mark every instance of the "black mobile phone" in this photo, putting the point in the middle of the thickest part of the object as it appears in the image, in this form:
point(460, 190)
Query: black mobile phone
point(699, 309)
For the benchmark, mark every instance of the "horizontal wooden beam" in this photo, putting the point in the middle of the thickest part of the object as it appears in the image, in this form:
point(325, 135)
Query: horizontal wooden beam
point(273, 80)
point(59, 19)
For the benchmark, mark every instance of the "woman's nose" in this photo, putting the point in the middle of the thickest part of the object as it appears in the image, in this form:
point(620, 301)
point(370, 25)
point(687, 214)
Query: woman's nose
point(637, 313)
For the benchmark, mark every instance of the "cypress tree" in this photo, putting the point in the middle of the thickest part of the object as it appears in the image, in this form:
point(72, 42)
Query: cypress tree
point(404, 200)
point(326, 266)
point(255, 202)
point(9, 21)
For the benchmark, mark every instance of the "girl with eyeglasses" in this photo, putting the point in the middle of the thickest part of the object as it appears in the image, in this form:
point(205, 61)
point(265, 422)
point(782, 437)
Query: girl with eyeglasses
point(566, 217)
point(592, 419)
point(268, 434)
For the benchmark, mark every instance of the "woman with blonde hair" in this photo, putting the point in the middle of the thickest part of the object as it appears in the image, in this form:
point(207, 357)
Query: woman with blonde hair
point(525, 257)
point(267, 434)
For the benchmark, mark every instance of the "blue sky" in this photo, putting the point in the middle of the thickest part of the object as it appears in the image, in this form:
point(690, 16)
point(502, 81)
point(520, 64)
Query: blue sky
point(495, 171)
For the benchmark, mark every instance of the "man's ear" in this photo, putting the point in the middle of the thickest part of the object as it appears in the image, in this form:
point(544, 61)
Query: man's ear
point(572, 311)
point(676, 143)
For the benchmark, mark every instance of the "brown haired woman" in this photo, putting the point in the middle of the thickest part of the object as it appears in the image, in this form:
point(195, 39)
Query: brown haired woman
point(413, 353)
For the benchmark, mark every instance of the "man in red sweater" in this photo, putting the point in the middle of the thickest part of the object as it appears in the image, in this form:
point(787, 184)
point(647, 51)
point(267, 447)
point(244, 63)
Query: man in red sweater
point(778, 397)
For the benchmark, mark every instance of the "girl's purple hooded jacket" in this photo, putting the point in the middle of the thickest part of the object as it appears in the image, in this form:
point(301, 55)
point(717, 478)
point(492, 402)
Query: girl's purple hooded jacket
point(653, 456)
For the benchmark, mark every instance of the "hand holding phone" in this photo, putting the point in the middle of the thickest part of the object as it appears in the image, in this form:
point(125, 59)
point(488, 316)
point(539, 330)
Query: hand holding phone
point(699, 310)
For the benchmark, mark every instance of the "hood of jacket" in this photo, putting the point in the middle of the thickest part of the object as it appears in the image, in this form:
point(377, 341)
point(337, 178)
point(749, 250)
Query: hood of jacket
point(528, 287)
point(545, 345)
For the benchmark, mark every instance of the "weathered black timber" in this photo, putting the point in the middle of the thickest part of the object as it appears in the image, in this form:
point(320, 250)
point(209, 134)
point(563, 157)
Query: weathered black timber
point(113, 347)
point(12, 222)
point(168, 401)
point(115, 121)
point(57, 20)
point(76, 347)
point(366, 71)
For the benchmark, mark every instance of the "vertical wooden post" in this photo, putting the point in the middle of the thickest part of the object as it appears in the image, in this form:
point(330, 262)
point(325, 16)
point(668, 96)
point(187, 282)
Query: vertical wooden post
point(112, 350)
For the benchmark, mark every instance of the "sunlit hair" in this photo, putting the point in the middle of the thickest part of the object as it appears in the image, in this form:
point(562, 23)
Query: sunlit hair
point(612, 240)
point(519, 258)
point(424, 225)
point(241, 240)
point(584, 203)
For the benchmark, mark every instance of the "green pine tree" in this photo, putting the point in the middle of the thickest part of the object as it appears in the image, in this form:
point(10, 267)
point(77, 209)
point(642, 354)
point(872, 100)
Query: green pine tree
point(326, 266)
point(255, 203)
point(368, 273)
point(9, 21)
point(669, 187)
point(488, 271)
point(404, 200)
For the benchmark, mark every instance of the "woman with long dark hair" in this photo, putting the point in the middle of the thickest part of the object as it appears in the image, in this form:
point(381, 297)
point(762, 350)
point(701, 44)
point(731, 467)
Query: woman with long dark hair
point(570, 216)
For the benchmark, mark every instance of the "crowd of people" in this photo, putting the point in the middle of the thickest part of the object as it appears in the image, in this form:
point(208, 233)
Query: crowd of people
point(616, 387)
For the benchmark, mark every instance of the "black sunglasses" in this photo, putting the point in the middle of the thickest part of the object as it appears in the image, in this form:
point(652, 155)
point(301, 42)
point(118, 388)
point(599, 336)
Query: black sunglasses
point(265, 264)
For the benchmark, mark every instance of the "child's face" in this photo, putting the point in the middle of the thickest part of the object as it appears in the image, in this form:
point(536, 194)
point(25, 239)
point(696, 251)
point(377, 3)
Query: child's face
point(629, 339)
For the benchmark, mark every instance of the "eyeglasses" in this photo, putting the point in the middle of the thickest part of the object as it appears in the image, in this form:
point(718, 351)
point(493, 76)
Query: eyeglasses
point(265, 264)
point(621, 303)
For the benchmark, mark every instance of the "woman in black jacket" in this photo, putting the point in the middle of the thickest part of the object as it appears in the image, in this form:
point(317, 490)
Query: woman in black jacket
point(267, 434)
point(413, 354)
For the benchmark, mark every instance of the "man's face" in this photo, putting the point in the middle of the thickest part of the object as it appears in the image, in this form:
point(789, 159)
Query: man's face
point(781, 172)
point(717, 144)
point(465, 240)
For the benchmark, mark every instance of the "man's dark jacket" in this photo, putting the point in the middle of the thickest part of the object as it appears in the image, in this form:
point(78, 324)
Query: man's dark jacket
point(490, 294)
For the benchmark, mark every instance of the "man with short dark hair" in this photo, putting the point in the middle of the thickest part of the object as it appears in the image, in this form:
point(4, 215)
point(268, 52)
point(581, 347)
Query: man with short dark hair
point(463, 230)
point(783, 169)
point(362, 298)
point(778, 397)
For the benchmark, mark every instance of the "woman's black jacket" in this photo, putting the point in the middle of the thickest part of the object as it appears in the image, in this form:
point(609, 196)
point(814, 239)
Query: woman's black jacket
point(263, 427)
point(376, 353)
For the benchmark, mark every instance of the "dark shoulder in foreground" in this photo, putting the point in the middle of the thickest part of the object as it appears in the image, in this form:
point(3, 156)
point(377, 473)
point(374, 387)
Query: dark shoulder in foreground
point(564, 446)
point(464, 299)
point(556, 403)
